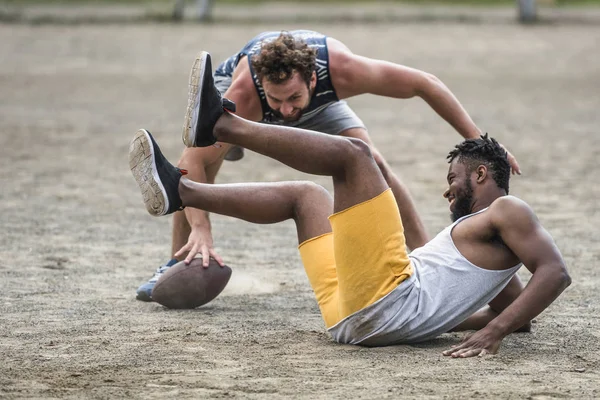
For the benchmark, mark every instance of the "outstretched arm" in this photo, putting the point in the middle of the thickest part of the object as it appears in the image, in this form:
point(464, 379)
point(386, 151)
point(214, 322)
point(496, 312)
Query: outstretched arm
point(353, 75)
point(521, 231)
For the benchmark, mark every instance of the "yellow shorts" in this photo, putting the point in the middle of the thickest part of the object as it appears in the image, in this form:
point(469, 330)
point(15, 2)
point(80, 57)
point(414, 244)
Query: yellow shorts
point(362, 260)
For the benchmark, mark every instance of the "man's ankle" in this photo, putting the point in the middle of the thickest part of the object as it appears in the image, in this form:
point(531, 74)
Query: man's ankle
point(223, 125)
point(183, 188)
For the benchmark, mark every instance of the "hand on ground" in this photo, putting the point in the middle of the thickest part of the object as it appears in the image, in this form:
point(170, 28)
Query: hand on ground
point(480, 343)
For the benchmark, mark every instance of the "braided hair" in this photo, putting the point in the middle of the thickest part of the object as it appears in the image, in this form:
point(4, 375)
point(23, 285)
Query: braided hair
point(484, 150)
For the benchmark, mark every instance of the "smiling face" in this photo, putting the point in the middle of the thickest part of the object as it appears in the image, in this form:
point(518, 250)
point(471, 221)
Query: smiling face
point(290, 98)
point(460, 190)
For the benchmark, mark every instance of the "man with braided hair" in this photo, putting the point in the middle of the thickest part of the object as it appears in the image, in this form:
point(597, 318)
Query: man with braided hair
point(369, 289)
point(300, 79)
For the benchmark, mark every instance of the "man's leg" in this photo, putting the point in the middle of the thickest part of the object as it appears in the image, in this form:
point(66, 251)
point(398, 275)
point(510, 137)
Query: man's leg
point(165, 190)
point(307, 203)
point(348, 161)
point(368, 240)
point(414, 230)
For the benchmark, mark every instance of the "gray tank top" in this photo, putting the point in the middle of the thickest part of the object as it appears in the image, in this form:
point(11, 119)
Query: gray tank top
point(324, 94)
point(445, 289)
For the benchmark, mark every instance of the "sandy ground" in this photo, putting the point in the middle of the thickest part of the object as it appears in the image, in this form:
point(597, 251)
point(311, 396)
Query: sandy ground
point(76, 240)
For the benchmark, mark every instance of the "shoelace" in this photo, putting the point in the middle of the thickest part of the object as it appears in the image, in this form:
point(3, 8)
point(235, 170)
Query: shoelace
point(159, 272)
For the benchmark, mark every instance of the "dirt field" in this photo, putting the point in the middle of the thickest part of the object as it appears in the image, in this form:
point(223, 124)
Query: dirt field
point(76, 240)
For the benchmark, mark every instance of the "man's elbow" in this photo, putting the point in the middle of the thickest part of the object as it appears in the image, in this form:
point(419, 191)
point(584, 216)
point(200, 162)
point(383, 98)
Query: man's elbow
point(428, 85)
point(563, 278)
point(566, 279)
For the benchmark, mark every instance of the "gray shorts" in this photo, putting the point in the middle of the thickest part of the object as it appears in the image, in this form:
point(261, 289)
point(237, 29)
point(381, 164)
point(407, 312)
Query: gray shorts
point(332, 119)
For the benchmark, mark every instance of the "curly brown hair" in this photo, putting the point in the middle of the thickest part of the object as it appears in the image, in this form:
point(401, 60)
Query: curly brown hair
point(278, 59)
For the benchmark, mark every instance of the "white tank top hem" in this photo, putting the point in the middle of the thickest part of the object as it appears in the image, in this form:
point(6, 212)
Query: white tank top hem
point(444, 290)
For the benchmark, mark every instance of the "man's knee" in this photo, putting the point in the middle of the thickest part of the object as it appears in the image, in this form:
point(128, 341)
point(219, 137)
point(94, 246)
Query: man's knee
point(311, 198)
point(312, 206)
point(358, 150)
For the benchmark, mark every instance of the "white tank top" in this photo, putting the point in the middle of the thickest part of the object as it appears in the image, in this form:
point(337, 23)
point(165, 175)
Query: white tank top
point(445, 289)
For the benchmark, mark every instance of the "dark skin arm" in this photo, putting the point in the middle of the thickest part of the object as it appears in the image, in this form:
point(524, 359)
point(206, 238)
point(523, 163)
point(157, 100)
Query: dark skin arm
point(521, 231)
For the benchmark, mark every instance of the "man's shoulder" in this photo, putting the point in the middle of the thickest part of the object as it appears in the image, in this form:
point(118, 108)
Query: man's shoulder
point(242, 78)
point(508, 203)
point(336, 48)
point(507, 210)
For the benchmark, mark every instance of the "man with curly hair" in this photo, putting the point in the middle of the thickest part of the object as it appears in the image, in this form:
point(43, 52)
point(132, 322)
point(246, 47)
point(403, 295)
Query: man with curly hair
point(300, 79)
point(370, 291)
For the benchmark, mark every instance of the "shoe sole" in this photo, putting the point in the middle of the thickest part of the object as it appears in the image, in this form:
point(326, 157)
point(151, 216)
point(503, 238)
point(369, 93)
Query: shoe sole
point(193, 106)
point(143, 168)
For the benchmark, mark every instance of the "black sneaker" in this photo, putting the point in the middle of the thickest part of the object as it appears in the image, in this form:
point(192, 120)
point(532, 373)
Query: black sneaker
point(205, 105)
point(157, 178)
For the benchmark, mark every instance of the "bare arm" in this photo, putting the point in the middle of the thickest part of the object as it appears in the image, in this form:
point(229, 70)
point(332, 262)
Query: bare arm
point(203, 164)
point(353, 75)
point(533, 245)
point(530, 242)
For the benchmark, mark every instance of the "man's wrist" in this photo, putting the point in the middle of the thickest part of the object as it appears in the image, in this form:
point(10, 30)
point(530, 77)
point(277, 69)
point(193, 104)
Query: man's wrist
point(201, 227)
point(197, 219)
point(498, 328)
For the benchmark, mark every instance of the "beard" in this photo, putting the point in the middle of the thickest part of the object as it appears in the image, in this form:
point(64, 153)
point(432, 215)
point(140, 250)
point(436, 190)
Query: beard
point(463, 202)
point(294, 118)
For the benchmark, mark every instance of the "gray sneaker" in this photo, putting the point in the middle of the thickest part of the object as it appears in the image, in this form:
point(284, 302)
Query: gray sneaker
point(144, 292)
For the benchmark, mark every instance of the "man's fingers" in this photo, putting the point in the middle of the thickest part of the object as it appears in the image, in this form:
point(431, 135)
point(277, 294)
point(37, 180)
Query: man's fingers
point(466, 352)
point(453, 349)
point(512, 160)
point(516, 169)
point(471, 353)
point(457, 353)
point(191, 255)
point(181, 251)
point(514, 165)
point(217, 258)
point(205, 256)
